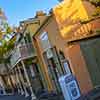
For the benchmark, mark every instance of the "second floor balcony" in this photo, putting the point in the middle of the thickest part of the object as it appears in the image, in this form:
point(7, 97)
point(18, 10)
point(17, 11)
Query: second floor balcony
point(3, 69)
point(21, 53)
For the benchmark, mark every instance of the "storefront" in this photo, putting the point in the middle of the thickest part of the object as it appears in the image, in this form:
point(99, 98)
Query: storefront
point(80, 39)
point(51, 60)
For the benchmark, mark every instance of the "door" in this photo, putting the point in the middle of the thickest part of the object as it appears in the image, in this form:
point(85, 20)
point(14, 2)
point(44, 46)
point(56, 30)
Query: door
point(91, 53)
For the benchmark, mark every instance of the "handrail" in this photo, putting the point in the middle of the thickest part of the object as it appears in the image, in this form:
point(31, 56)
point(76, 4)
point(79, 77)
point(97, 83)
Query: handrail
point(22, 52)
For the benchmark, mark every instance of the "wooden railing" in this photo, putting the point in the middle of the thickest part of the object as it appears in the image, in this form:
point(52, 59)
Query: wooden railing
point(2, 69)
point(23, 52)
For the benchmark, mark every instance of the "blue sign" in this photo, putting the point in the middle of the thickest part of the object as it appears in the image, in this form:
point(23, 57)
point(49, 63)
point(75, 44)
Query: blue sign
point(69, 87)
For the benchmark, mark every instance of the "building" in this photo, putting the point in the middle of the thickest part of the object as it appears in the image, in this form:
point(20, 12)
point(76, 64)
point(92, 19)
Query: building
point(19, 67)
point(82, 40)
point(61, 40)
point(23, 61)
point(23, 66)
point(48, 51)
point(31, 27)
point(5, 75)
point(3, 78)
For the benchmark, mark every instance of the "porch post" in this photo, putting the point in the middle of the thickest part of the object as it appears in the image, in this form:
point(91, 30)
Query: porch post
point(10, 74)
point(28, 80)
point(22, 80)
point(20, 89)
point(2, 84)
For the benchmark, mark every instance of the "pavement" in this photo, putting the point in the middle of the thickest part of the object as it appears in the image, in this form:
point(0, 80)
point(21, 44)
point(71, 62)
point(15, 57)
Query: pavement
point(41, 96)
point(20, 97)
point(14, 97)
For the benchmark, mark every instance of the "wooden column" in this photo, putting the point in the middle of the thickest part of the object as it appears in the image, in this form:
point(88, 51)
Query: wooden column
point(20, 89)
point(28, 81)
point(2, 84)
point(22, 80)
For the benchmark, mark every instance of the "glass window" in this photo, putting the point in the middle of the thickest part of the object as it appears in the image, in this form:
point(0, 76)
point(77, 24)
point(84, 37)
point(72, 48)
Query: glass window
point(45, 43)
point(67, 67)
point(61, 54)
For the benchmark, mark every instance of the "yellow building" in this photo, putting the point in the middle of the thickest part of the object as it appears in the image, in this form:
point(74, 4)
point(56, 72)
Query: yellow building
point(74, 19)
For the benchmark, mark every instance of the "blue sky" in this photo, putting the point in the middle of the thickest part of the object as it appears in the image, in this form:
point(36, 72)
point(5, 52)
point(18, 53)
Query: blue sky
point(18, 10)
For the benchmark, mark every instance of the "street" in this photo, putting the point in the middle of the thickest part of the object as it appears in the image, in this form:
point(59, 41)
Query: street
point(14, 97)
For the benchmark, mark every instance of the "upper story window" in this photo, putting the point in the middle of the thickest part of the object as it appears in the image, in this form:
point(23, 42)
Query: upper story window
point(44, 36)
point(27, 38)
point(44, 40)
point(61, 54)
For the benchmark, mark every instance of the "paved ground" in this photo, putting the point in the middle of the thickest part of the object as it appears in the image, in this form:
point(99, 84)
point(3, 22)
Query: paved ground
point(14, 97)
point(19, 97)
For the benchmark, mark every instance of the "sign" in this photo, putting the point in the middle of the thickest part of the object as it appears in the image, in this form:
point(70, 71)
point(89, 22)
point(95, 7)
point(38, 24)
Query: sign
point(70, 88)
point(66, 67)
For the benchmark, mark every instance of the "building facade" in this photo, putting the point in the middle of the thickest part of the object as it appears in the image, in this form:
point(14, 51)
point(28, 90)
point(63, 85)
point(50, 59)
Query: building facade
point(59, 54)
point(78, 27)
point(31, 28)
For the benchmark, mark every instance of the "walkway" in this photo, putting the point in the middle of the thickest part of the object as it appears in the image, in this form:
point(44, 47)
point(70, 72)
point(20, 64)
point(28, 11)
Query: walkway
point(19, 97)
point(14, 97)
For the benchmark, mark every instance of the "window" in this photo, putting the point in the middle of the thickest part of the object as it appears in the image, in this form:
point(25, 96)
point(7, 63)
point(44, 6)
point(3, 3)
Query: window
point(45, 43)
point(61, 54)
point(66, 67)
point(27, 38)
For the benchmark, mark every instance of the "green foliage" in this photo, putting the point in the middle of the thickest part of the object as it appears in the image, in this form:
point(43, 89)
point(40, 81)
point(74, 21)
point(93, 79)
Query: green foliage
point(95, 2)
point(4, 30)
point(97, 11)
point(8, 30)
point(6, 47)
point(98, 31)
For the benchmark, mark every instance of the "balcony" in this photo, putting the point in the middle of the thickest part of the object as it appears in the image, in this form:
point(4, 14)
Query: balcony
point(2, 69)
point(21, 53)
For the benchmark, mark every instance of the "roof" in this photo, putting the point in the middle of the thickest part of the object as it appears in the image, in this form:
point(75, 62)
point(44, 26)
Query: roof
point(39, 19)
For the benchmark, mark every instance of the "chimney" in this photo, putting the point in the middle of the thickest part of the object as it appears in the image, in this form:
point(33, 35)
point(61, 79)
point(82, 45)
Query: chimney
point(40, 13)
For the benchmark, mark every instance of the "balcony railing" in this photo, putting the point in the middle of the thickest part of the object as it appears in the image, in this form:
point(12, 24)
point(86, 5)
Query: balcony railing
point(23, 52)
point(2, 69)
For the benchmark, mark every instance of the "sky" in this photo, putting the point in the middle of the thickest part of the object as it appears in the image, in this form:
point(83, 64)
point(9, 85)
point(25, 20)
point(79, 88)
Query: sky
point(19, 10)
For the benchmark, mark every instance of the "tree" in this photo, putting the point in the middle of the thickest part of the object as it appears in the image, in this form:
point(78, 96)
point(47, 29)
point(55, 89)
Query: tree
point(5, 31)
point(95, 2)
point(96, 13)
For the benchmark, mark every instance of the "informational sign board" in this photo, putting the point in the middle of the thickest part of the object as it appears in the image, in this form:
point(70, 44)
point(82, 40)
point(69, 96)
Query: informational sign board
point(69, 87)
